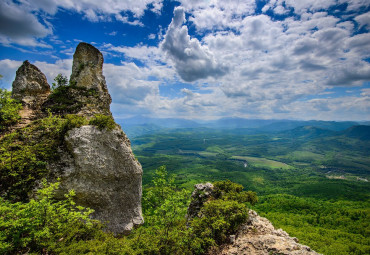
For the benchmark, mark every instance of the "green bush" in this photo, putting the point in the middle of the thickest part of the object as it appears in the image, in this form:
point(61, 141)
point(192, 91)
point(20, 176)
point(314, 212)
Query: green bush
point(228, 190)
point(44, 224)
point(74, 121)
point(103, 121)
point(25, 153)
point(220, 219)
point(9, 110)
point(60, 80)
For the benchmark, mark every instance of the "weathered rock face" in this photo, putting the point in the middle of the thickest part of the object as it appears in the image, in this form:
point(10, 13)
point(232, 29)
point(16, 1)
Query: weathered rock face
point(87, 73)
point(259, 237)
point(97, 164)
point(105, 176)
point(30, 86)
point(201, 194)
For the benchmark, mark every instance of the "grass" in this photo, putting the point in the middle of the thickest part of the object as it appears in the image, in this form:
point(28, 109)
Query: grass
point(263, 162)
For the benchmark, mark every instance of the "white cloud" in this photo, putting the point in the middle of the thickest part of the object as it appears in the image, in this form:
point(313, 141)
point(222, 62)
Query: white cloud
point(25, 22)
point(192, 60)
point(303, 6)
point(364, 20)
point(217, 14)
point(8, 68)
point(18, 25)
point(95, 10)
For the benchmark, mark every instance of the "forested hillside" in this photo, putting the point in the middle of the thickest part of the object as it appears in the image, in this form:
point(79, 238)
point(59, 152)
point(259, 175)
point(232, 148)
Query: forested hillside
point(311, 181)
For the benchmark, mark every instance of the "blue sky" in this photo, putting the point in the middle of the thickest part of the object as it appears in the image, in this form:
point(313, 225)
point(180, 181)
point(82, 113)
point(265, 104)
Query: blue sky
point(306, 59)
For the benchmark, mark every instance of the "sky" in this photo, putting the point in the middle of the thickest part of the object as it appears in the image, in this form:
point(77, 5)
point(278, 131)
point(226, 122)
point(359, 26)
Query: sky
point(304, 60)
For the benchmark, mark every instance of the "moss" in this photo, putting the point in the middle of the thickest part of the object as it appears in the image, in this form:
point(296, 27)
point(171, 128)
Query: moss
point(103, 122)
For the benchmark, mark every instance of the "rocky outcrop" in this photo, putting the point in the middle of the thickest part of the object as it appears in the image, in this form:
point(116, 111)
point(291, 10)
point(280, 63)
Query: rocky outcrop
point(30, 85)
point(97, 164)
point(87, 93)
point(201, 194)
point(31, 88)
point(87, 74)
point(259, 237)
point(103, 172)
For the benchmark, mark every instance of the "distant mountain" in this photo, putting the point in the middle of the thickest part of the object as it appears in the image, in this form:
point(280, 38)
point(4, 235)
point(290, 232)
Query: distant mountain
point(148, 124)
point(291, 124)
point(234, 123)
point(307, 132)
point(160, 122)
point(360, 132)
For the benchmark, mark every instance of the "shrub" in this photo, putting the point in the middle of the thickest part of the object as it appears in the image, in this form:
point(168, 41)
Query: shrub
point(9, 110)
point(228, 190)
point(103, 121)
point(60, 81)
point(44, 224)
point(220, 218)
point(74, 121)
point(25, 153)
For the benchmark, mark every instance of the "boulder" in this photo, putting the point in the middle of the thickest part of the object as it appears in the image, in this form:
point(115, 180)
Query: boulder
point(100, 167)
point(259, 237)
point(30, 86)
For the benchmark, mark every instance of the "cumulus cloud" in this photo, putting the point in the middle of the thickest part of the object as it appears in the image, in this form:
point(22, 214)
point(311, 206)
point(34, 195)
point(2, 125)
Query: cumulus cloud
point(364, 20)
point(192, 60)
point(96, 10)
point(26, 22)
point(8, 68)
point(18, 25)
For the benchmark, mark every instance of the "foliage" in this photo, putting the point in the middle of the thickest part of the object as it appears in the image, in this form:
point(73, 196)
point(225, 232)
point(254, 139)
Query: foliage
point(329, 215)
point(228, 190)
point(43, 225)
point(69, 98)
point(103, 121)
point(340, 227)
point(60, 81)
point(220, 218)
point(24, 154)
point(9, 110)
point(74, 121)
point(61, 100)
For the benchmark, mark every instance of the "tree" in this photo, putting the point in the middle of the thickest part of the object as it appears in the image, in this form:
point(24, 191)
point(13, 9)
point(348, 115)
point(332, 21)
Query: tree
point(60, 81)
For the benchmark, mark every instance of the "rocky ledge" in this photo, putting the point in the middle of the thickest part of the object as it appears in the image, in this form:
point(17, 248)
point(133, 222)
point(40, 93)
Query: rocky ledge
point(259, 237)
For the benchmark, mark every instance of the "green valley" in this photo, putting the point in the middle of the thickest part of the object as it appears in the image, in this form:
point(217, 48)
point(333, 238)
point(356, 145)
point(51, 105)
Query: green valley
point(311, 182)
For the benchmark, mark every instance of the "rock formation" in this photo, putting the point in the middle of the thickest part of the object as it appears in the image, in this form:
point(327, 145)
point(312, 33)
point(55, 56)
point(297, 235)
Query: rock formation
point(30, 85)
point(259, 237)
point(87, 73)
point(97, 164)
point(105, 176)
point(31, 88)
point(87, 93)
point(202, 193)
